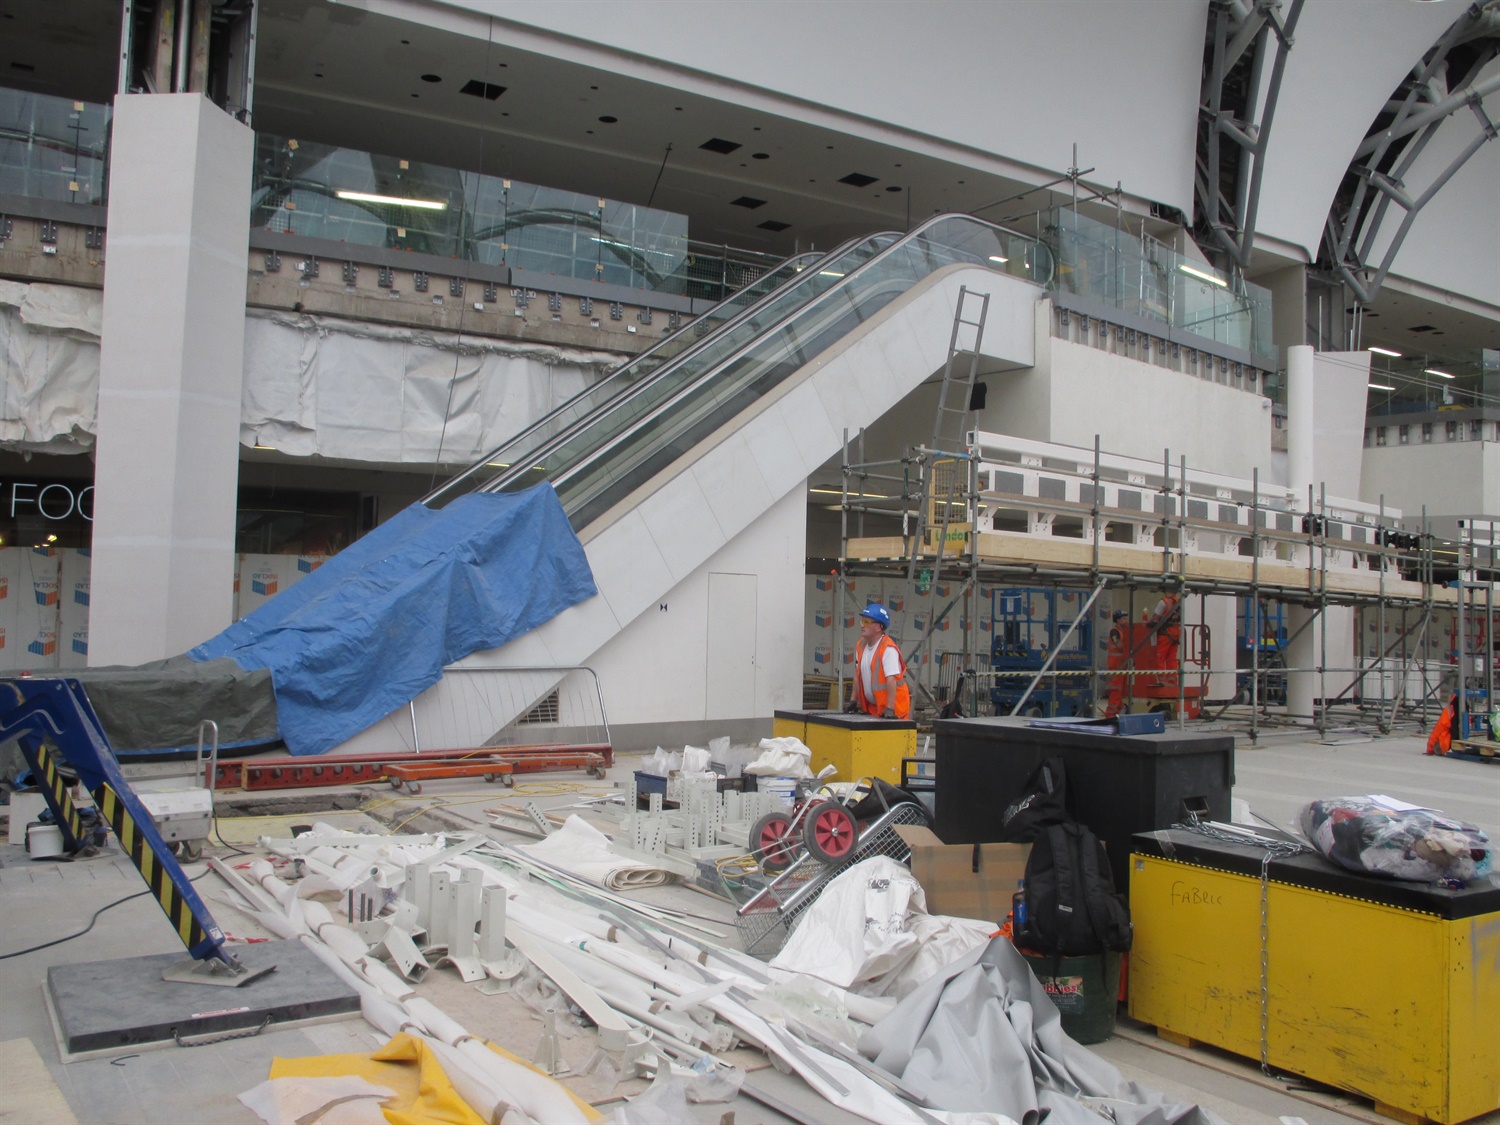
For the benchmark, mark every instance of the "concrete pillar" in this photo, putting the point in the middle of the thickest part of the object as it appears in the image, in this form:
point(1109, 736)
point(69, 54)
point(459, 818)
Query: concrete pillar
point(170, 375)
point(1303, 651)
point(1219, 612)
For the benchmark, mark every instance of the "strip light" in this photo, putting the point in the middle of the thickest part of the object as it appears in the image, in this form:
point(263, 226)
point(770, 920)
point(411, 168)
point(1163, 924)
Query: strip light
point(1383, 351)
point(1201, 276)
point(1435, 371)
point(392, 200)
point(1381, 387)
point(998, 259)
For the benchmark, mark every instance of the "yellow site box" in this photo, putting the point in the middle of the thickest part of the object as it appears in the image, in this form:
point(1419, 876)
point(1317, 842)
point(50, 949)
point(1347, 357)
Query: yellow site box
point(856, 745)
point(1387, 989)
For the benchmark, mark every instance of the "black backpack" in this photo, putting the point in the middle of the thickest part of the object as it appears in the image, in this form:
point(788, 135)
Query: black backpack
point(1043, 802)
point(1071, 905)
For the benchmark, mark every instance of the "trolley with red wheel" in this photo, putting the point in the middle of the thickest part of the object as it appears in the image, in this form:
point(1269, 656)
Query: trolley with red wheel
point(801, 849)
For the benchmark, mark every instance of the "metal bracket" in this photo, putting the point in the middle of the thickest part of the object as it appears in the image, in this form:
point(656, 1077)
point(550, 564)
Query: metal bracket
point(93, 238)
point(273, 262)
point(215, 972)
point(455, 287)
point(554, 302)
point(491, 292)
point(644, 316)
point(420, 281)
point(674, 321)
point(585, 306)
point(309, 267)
point(616, 311)
point(386, 278)
point(351, 273)
point(48, 232)
point(537, 818)
point(7, 228)
point(522, 298)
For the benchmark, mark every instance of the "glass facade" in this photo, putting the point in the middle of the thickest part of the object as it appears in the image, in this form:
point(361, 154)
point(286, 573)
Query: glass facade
point(53, 148)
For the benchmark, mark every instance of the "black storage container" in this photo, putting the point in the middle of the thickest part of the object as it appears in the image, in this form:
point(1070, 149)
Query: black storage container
point(1118, 784)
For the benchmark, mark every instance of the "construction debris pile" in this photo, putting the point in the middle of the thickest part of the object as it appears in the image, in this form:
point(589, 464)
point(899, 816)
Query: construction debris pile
point(865, 1003)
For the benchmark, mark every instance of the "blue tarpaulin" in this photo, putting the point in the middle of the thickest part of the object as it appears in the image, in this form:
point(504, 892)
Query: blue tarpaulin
point(374, 626)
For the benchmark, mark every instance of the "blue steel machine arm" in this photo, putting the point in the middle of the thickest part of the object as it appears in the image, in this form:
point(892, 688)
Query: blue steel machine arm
point(54, 724)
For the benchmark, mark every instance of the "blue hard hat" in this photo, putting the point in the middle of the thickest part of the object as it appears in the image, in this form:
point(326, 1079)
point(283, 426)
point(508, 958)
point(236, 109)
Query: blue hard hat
point(877, 612)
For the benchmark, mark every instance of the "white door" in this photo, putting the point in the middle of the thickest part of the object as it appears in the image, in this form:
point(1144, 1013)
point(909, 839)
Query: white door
point(731, 647)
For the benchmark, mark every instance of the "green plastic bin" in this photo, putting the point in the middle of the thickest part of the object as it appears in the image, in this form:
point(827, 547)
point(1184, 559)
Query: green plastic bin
point(1086, 991)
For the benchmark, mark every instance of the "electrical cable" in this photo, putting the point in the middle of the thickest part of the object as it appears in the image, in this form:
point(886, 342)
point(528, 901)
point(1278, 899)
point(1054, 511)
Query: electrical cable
point(90, 926)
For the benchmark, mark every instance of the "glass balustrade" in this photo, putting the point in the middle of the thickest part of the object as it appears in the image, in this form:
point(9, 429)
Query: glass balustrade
point(342, 194)
point(1418, 383)
point(53, 148)
point(1144, 277)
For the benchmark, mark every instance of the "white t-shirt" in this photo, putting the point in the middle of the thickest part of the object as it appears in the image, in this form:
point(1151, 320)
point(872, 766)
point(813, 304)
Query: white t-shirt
point(890, 664)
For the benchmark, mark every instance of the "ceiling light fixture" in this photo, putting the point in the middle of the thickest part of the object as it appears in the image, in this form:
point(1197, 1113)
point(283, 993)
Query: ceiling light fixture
point(1381, 387)
point(998, 258)
point(392, 201)
point(1435, 371)
point(1383, 351)
point(1201, 276)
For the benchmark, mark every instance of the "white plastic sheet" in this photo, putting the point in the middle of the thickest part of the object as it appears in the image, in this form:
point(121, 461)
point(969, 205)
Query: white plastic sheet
point(870, 931)
point(367, 392)
point(49, 366)
point(581, 848)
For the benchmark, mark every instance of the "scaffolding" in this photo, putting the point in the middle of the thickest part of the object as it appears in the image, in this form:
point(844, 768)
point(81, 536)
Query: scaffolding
point(1401, 577)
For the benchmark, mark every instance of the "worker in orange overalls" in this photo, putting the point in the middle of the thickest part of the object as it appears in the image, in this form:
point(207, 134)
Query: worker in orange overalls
point(880, 673)
point(1166, 623)
point(1114, 657)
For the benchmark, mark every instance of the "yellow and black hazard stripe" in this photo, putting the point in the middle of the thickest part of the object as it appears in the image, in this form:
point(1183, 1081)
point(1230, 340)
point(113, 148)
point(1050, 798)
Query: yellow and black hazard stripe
point(145, 860)
point(57, 785)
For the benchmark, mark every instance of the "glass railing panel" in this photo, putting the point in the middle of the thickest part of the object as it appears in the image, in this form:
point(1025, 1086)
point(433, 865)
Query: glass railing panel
point(1140, 275)
point(53, 148)
point(1429, 381)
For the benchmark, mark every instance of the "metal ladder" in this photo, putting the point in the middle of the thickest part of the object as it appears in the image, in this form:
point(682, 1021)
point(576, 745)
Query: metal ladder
point(944, 464)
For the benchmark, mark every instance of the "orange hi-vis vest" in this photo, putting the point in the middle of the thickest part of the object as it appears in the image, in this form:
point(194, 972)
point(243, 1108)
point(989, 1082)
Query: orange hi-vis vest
point(900, 700)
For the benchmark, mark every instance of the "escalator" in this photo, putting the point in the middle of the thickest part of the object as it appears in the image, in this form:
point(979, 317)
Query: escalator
point(623, 432)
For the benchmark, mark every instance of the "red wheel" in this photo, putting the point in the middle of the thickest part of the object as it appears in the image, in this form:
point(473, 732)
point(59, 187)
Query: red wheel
point(772, 841)
point(829, 832)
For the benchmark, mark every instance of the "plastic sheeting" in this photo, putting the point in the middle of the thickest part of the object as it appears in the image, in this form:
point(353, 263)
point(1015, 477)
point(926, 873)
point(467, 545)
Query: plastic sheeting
point(374, 626)
point(870, 931)
point(983, 1037)
point(49, 366)
point(581, 848)
point(312, 385)
point(369, 392)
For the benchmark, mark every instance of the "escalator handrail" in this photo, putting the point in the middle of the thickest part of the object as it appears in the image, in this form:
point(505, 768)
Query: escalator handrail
point(808, 259)
point(507, 476)
point(915, 233)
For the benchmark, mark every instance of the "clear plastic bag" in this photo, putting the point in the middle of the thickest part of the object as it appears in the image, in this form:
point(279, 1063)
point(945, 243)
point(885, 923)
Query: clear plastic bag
point(1420, 845)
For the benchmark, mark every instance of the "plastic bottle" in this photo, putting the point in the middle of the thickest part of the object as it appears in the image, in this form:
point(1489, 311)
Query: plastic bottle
point(1018, 906)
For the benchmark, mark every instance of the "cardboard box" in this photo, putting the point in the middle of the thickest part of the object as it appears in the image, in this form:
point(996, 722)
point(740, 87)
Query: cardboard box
point(965, 880)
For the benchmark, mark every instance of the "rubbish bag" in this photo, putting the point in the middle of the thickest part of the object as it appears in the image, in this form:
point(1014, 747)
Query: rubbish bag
point(1369, 836)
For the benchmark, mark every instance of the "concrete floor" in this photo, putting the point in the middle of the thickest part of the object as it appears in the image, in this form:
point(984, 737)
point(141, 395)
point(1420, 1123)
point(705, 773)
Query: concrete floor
point(40, 901)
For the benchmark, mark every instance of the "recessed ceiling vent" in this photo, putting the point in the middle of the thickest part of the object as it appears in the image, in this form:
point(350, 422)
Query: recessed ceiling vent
point(749, 202)
point(479, 89)
point(721, 146)
point(858, 179)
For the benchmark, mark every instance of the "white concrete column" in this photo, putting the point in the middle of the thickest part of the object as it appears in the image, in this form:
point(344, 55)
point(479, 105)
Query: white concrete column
point(173, 341)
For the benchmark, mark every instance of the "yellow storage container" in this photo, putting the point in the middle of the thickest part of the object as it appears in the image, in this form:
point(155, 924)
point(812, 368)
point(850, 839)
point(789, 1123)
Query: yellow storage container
point(856, 745)
point(1390, 990)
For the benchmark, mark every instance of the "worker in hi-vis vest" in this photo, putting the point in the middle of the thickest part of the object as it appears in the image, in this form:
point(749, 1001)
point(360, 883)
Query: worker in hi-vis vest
point(879, 672)
point(1115, 657)
point(1166, 623)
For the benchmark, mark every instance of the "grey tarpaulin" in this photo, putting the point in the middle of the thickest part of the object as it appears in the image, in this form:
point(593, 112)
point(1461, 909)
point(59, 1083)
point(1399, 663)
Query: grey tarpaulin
point(982, 1036)
point(159, 705)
